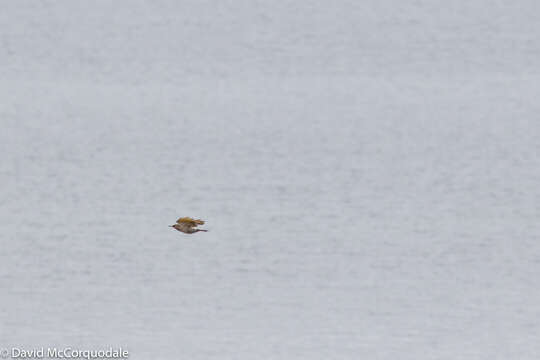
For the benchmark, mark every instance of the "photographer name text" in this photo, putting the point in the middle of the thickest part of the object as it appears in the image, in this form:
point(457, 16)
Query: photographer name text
point(63, 353)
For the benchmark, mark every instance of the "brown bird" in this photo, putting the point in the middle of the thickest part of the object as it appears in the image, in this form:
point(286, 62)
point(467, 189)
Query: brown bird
point(188, 225)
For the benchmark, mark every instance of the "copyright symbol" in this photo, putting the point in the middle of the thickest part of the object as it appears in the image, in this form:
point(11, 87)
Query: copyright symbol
point(4, 353)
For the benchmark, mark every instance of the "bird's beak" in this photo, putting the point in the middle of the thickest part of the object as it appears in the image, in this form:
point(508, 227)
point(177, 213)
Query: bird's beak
point(171, 225)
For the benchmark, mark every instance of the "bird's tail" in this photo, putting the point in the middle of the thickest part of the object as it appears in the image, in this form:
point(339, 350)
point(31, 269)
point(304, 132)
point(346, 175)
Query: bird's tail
point(202, 230)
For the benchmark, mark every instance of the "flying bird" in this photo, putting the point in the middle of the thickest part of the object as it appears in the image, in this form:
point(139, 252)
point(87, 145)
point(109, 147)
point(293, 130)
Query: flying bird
point(188, 225)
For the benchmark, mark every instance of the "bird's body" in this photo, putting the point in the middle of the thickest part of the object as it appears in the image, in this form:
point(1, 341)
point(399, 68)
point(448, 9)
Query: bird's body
point(188, 225)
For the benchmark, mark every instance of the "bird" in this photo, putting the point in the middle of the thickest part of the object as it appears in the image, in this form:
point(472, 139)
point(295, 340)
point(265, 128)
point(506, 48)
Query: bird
point(188, 225)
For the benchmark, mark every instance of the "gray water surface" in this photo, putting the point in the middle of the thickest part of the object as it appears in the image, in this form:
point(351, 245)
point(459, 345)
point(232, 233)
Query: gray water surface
point(368, 172)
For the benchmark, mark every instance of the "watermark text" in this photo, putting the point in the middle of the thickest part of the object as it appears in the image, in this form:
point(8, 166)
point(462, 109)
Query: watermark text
point(63, 353)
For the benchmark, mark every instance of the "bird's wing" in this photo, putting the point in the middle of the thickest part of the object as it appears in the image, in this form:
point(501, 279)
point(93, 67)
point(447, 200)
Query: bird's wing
point(189, 221)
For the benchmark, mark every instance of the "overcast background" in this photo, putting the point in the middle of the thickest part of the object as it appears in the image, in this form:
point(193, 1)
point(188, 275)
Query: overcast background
point(368, 171)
